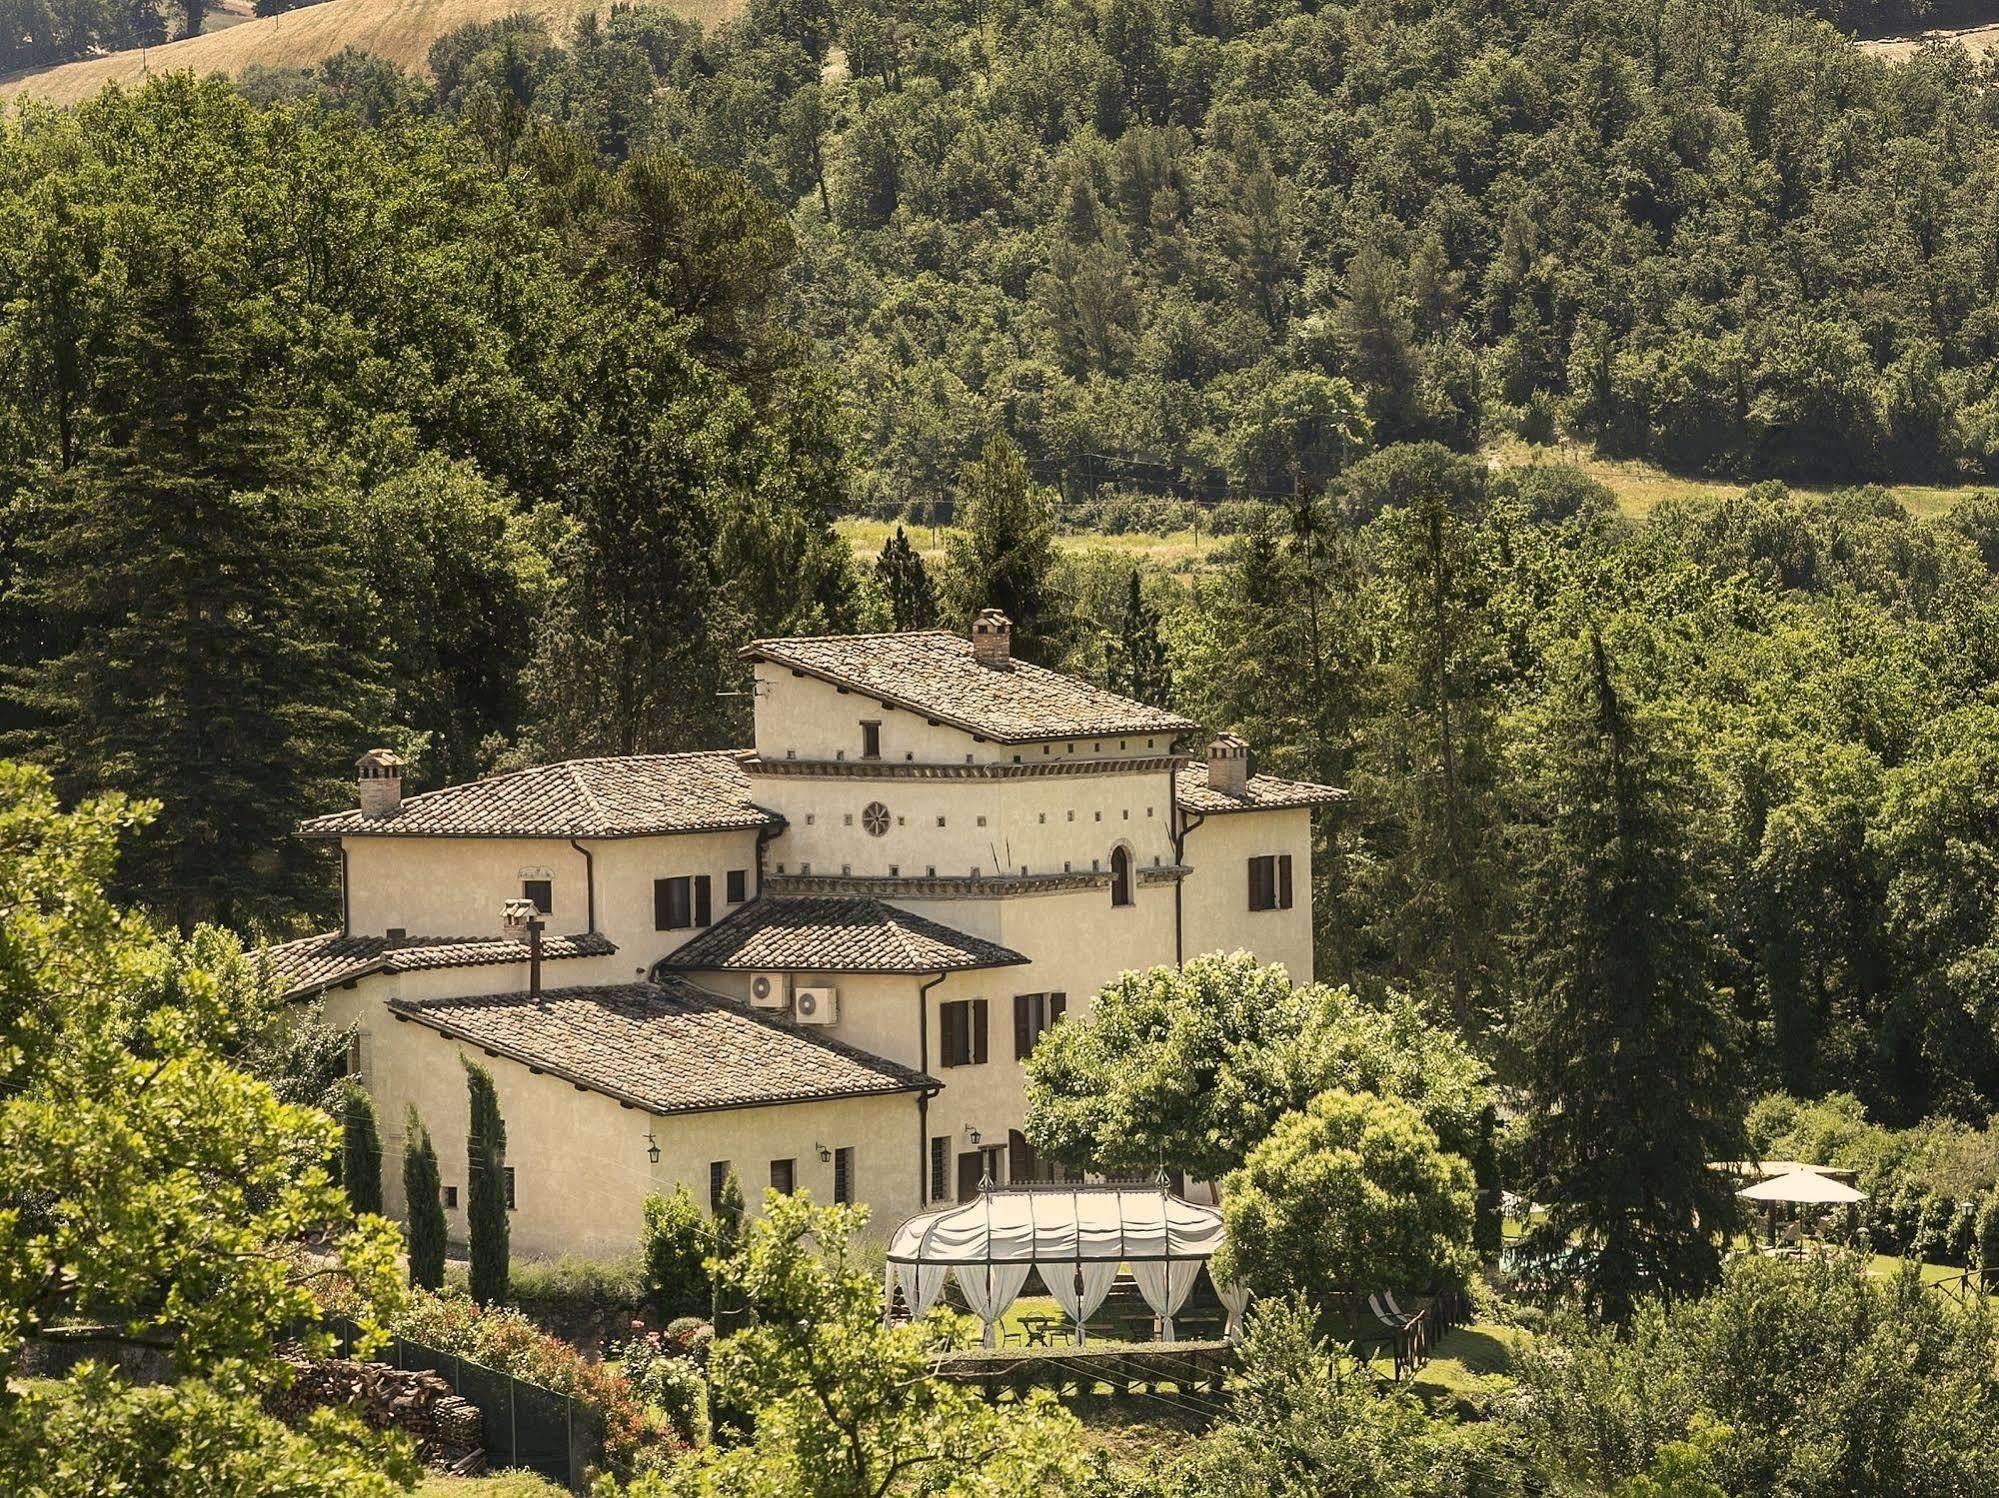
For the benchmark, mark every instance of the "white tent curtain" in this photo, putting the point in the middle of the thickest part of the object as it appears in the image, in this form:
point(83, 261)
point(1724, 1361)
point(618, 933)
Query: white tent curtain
point(990, 1289)
point(921, 1285)
point(1235, 1300)
point(1079, 1302)
point(1165, 1284)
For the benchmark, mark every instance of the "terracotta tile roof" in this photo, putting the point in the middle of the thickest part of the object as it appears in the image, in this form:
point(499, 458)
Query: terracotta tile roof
point(666, 1047)
point(835, 934)
point(1262, 793)
point(932, 672)
point(320, 962)
point(632, 796)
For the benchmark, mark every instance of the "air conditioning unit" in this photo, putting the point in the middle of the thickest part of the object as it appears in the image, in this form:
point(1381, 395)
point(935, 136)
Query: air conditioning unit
point(817, 1006)
point(770, 991)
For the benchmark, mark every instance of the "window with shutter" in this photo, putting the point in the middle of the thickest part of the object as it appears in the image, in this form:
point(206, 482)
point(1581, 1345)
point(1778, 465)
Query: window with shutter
point(978, 1032)
point(1026, 1023)
point(672, 904)
point(1263, 883)
point(739, 886)
point(718, 1172)
point(704, 911)
point(783, 1175)
point(843, 1175)
point(1284, 881)
point(542, 892)
point(1120, 876)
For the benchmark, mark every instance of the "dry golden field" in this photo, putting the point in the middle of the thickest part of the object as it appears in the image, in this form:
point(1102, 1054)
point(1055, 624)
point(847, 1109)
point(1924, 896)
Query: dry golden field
point(400, 30)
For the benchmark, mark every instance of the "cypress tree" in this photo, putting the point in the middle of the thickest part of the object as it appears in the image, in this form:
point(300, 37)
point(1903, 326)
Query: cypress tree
point(1139, 667)
point(727, 1312)
point(905, 583)
point(360, 1149)
point(423, 1193)
point(1629, 1058)
point(486, 1189)
point(1487, 1234)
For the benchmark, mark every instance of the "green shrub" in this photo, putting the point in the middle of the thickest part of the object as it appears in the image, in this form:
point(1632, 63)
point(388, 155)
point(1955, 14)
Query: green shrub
point(675, 1247)
point(660, 1369)
point(577, 1284)
point(1830, 1384)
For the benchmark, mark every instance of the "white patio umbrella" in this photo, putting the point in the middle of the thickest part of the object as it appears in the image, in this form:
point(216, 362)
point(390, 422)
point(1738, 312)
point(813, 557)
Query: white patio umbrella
point(1802, 1188)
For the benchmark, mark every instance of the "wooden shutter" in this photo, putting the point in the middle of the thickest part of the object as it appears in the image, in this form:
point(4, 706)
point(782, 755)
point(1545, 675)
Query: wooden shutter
point(703, 909)
point(1058, 1005)
point(978, 1032)
point(1023, 1025)
point(950, 1023)
point(1284, 881)
point(662, 905)
point(1254, 882)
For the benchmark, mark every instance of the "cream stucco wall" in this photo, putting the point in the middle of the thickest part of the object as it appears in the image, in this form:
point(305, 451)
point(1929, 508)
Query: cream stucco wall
point(1215, 899)
point(802, 717)
point(579, 1158)
point(949, 828)
point(440, 886)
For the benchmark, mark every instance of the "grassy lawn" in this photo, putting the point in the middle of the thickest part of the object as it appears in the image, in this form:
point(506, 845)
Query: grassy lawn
point(1641, 487)
point(499, 1485)
point(1176, 551)
point(1469, 1366)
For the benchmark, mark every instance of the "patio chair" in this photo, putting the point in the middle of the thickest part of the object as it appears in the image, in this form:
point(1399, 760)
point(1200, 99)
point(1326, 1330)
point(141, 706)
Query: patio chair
point(1387, 1312)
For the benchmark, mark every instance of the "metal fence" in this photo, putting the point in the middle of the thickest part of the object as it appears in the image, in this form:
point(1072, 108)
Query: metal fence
point(525, 1425)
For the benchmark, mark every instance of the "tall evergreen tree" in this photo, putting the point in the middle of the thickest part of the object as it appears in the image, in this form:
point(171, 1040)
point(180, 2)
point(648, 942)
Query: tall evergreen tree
point(1432, 889)
point(1000, 554)
point(1139, 667)
point(423, 1196)
point(1630, 1061)
point(726, 1311)
point(486, 1189)
point(905, 583)
point(360, 1149)
point(219, 648)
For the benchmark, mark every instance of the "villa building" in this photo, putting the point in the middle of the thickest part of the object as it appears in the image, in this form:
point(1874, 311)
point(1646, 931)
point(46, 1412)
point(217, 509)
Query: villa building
point(820, 961)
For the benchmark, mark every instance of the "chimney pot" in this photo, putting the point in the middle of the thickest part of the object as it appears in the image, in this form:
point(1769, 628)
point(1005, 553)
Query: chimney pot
point(1228, 765)
point(515, 918)
point(992, 640)
point(379, 776)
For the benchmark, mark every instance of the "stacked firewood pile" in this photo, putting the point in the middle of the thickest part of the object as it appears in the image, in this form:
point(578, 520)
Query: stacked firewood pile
point(446, 1428)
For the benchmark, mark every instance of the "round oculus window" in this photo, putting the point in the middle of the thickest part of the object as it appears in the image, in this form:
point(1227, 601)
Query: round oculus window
point(874, 817)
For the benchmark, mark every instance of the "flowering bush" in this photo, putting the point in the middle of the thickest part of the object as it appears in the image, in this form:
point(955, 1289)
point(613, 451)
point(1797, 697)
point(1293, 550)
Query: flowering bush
point(663, 1368)
point(504, 1340)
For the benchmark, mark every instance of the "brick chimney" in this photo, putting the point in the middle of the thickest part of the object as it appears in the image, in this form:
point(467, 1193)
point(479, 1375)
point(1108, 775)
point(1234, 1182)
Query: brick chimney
point(515, 917)
point(379, 774)
point(992, 640)
point(1228, 765)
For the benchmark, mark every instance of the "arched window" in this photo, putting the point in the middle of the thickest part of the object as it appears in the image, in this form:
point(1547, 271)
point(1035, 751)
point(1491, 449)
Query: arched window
point(1120, 876)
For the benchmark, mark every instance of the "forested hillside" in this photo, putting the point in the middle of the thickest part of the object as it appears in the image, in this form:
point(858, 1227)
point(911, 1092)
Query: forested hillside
point(1222, 246)
point(485, 414)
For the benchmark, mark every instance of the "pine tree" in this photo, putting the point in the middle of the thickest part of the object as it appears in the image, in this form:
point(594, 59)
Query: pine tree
point(217, 641)
point(1488, 1231)
point(905, 583)
point(1432, 891)
point(486, 1189)
point(360, 1149)
point(423, 1195)
point(1628, 1057)
point(1002, 550)
point(1139, 665)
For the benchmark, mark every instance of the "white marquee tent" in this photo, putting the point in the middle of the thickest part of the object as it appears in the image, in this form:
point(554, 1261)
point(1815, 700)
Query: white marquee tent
point(1074, 1237)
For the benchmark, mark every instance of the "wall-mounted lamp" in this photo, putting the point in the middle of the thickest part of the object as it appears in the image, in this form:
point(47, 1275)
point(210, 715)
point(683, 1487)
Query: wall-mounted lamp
point(652, 1147)
point(824, 1153)
point(972, 1137)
